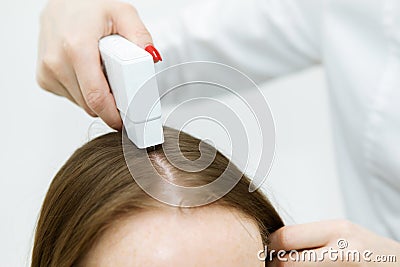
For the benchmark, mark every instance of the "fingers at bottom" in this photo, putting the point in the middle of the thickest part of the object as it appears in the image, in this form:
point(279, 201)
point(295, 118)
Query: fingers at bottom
point(54, 86)
point(72, 86)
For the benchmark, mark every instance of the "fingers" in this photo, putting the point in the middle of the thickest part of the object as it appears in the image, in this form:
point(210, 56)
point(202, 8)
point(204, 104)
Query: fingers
point(46, 80)
point(302, 236)
point(92, 82)
point(128, 24)
point(52, 85)
point(69, 45)
point(70, 81)
point(60, 79)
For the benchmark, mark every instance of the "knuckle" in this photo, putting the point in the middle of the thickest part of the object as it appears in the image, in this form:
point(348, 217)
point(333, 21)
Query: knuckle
point(51, 63)
point(72, 47)
point(95, 99)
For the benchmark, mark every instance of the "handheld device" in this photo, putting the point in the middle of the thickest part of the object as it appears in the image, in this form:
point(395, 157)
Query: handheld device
point(130, 72)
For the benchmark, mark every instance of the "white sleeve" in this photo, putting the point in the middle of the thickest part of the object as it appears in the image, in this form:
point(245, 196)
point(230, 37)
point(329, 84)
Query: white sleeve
point(262, 38)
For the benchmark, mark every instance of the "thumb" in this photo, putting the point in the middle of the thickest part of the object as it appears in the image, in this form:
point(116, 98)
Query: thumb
point(127, 23)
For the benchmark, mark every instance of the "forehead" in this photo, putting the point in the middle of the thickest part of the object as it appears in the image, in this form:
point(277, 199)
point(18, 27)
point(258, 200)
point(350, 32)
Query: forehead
point(208, 236)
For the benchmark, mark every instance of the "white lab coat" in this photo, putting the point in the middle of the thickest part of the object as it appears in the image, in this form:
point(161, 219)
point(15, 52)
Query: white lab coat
point(357, 41)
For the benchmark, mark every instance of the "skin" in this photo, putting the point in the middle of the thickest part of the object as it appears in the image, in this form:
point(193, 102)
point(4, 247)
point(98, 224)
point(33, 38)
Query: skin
point(320, 236)
point(68, 55)
point(208, 236)
point(69, 65)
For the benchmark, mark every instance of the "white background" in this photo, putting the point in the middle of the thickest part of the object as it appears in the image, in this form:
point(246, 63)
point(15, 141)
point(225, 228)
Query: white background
point(39, 131)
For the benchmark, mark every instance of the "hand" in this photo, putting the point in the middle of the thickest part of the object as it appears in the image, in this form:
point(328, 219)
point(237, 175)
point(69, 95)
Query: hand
point(341, 236)
point(68, 58)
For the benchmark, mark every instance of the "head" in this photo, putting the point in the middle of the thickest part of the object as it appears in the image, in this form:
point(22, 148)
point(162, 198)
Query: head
point(96, 214)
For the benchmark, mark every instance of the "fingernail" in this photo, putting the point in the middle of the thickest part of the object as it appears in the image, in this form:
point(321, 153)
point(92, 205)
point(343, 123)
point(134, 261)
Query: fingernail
point(155, 54)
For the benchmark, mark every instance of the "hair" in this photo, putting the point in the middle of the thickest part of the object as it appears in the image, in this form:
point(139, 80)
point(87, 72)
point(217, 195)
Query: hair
point(95, 188)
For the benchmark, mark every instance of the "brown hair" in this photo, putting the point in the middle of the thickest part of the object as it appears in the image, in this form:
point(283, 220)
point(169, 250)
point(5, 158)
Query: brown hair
point(95, 187)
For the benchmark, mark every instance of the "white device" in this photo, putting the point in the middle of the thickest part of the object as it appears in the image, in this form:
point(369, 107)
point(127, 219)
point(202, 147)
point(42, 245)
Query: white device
point(130, 72)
